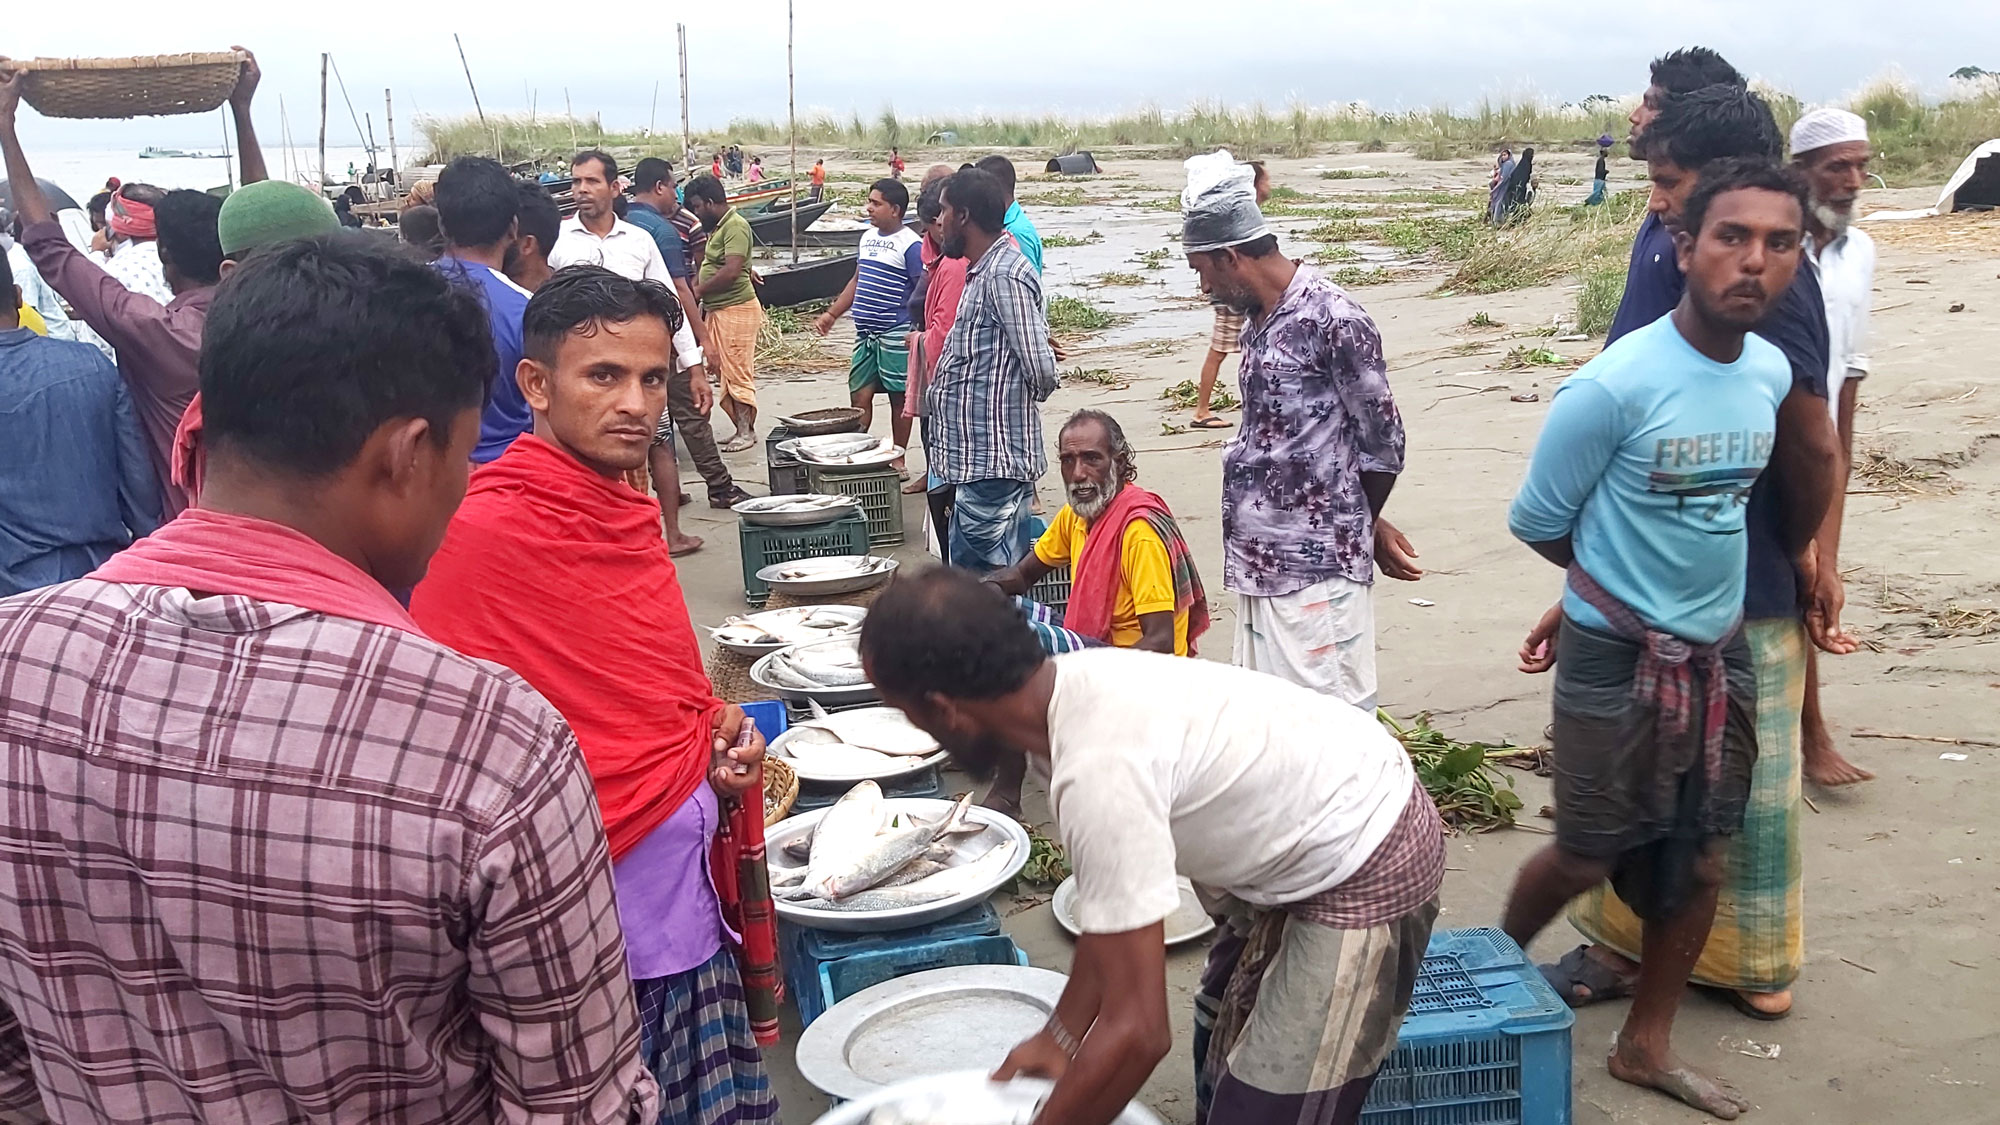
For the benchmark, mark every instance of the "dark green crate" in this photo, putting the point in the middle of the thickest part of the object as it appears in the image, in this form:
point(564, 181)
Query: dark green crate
point(1053, 590)
point(878, 491)
point(764, 546)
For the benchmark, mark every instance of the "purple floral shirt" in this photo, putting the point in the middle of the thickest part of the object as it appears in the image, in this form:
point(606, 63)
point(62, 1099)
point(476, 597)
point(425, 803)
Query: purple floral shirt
point(1317, 413)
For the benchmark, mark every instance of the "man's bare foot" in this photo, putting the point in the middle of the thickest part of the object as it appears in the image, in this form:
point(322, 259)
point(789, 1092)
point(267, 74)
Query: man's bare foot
point(1824, 766)
point(684, 545)
point(1676, 1079)
point(1008, 803)
point(1768, 1003)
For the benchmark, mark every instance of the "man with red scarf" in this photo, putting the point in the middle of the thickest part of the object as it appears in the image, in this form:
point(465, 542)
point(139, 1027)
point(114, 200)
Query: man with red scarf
point(555, 568)
point(1132, 578)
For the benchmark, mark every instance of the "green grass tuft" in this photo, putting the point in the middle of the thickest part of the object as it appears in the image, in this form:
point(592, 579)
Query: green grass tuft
point(1597, 302)
point(1073, 316)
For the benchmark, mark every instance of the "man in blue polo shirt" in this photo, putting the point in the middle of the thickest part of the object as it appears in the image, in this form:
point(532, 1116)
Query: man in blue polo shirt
point(892, 262)
point(477, 204)
point(1015, 220)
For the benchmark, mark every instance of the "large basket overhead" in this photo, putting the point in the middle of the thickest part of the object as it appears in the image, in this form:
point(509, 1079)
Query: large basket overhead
point(132, 86)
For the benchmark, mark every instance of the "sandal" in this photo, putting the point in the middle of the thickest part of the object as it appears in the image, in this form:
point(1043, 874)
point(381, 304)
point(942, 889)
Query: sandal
point(1735, 999)
point(1212, 422)
point(1582, 980)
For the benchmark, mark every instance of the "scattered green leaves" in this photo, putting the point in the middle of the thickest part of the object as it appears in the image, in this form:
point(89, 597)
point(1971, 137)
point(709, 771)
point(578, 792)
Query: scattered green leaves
point(1334, 255)
point(1154, 259)
point(1102, 376)
point(1058, 197)
point(1349, 277)
point(1483, 319)
point(1470, 795)
point(1597, 302)
point(1120, 277)
point(1349, 174)
point(1074, 316)
point(1524, 356)
point(1048, 864)
point(1186, 395)
point(1056, 240)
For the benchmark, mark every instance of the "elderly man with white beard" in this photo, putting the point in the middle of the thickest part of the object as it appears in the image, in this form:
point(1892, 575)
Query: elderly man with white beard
point(1132, 577)
point(1830, 148)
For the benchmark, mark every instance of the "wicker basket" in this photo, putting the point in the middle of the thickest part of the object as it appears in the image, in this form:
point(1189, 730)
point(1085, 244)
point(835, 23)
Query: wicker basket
point(781, 790)
point(832, 420)
point(133, 86)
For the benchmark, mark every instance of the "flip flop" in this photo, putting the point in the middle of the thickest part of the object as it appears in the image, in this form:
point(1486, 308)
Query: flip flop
point(1578, 969)
point(1741, 1003)
point(1212, 422)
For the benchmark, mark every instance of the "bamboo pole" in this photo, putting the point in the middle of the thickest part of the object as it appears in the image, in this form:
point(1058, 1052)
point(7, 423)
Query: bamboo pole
point(571, 114)
point(687, 136)
point(229, 164)
point(792, 127)
point(389, 119)
point(653, 118)
point(480, 109)
point(319, 184)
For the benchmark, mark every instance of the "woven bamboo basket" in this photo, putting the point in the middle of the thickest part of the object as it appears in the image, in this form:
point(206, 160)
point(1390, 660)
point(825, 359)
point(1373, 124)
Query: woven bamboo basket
point(781, 789)
point(132, 86)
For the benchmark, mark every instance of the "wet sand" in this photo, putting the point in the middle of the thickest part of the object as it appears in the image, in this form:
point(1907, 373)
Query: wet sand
point(1897, 1014)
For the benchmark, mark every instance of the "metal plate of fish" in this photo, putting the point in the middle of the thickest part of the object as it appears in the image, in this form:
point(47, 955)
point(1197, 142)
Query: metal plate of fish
point(826, 672)
point(890, 1033)
point(759, 634)
point(963, 1097)
point(865, 744)
point(990, 856)
point(795, 510)
point(1188, 921)
point(834, 574)
point(843, 450)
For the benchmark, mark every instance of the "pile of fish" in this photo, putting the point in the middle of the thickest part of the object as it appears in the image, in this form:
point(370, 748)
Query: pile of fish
point(796, 626)
point(857, 743)
point(862, 857)
point(817, 667)
point(845, 449)
point(837, 566)
point(793, 505)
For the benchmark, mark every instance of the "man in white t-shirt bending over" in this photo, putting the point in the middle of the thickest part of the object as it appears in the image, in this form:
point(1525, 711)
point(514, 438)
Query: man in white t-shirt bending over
point(1297, 815)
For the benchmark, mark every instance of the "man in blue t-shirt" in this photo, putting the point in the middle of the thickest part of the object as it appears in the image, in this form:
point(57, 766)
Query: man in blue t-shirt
point(1639, 487)
point(892, 263)
point(477, 204)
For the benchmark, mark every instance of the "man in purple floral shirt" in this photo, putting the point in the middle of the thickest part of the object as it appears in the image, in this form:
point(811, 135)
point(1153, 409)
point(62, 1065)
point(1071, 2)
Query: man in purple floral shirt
point(1308, 474)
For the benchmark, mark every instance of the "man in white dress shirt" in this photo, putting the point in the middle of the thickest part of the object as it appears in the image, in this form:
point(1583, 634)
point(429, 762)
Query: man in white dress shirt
point(1830, 147)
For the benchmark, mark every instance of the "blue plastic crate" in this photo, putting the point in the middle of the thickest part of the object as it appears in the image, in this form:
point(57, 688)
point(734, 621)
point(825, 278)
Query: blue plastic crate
point(1486, 1042)
point(770, 716)
point(843, 978)
point(832, 945)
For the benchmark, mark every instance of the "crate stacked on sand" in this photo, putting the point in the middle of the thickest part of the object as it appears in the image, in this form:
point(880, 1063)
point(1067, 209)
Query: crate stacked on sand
point(823, 967)
point(879, 491)
point(764, 546)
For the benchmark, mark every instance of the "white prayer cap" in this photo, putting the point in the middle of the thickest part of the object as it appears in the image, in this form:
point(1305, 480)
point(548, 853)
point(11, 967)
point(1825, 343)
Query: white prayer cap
point(1827, 126)
point(1219, 204)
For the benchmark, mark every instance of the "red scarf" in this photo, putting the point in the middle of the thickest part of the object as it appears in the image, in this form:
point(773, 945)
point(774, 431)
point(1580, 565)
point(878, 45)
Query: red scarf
point(223, 553)
point(1096, 575)
point(562, 575)
point(188, 462)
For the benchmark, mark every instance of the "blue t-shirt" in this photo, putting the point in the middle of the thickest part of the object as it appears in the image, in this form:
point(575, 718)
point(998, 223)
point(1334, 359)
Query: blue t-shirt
point(665, 234)
point(1653, 282)
point(507, 415)
point(887, 274)
point(1646, 462)
point(1025, 235)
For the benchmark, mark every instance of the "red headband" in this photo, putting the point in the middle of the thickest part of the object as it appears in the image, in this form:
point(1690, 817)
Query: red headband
point(132, 218)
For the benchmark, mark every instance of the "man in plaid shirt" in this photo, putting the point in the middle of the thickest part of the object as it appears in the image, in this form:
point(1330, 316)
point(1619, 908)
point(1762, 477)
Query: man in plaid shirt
point(274, 854)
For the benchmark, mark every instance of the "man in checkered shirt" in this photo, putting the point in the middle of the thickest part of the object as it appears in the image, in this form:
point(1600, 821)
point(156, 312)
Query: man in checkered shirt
point(272, 853)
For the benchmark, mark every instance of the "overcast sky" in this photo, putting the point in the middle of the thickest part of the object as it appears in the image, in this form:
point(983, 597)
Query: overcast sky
point(1025, 56)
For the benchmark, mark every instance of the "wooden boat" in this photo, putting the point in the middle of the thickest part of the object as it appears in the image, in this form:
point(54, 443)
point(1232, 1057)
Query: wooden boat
point(760, 193)
point(820, 279)
point(773, 227)
point(838, 239)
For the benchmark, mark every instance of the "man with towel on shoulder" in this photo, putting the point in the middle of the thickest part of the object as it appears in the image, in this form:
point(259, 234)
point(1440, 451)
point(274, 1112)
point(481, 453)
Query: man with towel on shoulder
point(607, 640)
point(1298, 817)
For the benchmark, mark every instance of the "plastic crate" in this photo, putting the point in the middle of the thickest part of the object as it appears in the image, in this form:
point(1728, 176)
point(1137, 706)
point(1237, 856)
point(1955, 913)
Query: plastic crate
point(770, 716)
point(832, 945)
point(818, 795)
point(1053, 591)
point(763, 546)
point(843, 978)
point(1486, 1041)
point(784, 472)
point(879, 492)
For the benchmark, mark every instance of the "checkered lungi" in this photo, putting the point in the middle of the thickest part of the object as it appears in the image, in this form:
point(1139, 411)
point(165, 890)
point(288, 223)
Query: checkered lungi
point(694, 1035)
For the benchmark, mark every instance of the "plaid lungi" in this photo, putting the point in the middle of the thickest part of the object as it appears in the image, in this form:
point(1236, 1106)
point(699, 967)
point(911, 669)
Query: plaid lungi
point(1757, 943)
point(1300, 1005)
point(1048, 628)
point(1227, 338)
point(694, 1035)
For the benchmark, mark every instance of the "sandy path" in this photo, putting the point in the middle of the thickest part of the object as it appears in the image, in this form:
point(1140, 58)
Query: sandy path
point(1898, 1011)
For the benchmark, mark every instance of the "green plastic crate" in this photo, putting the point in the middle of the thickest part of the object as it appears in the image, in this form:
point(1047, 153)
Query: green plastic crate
point(878, 491)
point(763, 546)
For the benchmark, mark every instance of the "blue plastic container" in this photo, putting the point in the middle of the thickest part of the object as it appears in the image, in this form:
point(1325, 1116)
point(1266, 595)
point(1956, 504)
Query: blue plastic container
point(843, 978)
point(807, 953)
point(832, 945)
point(1487, 1041)
point(770, 715)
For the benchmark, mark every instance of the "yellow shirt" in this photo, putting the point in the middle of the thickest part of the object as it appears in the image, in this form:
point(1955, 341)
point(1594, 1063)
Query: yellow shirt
point(32, 321)
point(1146, 578)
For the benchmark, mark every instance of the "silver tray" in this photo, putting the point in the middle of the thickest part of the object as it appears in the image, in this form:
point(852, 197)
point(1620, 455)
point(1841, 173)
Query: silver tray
point(1024, 1094)
point(1188, 921)
point(829, 696)
point(748, 510)
point(845, 583)
point(742, 648)
point(892, 1032)
point(891, 768)
point(999, 827)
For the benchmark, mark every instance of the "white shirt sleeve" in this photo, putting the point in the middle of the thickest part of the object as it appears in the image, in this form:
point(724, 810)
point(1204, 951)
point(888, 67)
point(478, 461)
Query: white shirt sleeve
point(685, 349)
point(1857, 333)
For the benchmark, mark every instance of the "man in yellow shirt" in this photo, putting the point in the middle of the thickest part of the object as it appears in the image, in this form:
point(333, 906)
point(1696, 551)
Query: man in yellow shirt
point(1132, 577)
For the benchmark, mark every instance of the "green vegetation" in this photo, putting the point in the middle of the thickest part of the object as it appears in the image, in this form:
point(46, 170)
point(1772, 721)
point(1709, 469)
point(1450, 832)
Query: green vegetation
point(1058, 197)
point(1597, 302)
point(787, 341)
point(1186, 393)
point(1333, 255)
point(1073, 316)
point(1350, 174)
point(1470, 794)
point(1552, 243)
point(1340, 230)
point(1450, 237)
point(1350, 277)
point(1483, 319)
point(1102, 376)
point(1155, 258)
point(1057, 240)
point(1118, 277)
point(1320, 210)
point(1283, 194)
point(1047, 864)
point(1524, 356)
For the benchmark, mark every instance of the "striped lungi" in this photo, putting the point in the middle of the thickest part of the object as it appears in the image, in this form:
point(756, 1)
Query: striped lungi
point(1300, 1004)
point(694, 1035)
point(1758, 941)
point(732, 331)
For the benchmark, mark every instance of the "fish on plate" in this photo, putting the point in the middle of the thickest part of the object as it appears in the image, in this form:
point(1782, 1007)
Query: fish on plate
point(837, 566)
point(794, 626)
point(861, 859)
point(793, 504)
point(832, 665)
point(880, 730)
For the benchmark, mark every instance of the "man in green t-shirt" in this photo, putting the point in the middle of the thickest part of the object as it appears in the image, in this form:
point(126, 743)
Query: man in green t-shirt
point(729, 301)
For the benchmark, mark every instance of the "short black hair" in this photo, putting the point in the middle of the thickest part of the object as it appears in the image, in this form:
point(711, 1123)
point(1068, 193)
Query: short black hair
point(977, 193)
point(1691, 68)
point(7, 286)
point(149, 194)
point(1713, 123)
point(1740, 174)
point(476, 201)
point(582, 297)
point(539, 215)
point(1000, 168)
point(945, 632)
point(188, 236)
point(894, 192)
point(708, 189)
point(930, 200)
point(609, 162)
point(650, 173)
point(99, 204)
point(312, 345)
point(419, 227)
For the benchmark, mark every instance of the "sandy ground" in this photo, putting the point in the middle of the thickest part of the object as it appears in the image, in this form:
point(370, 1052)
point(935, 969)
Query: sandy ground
point(1898, 1010)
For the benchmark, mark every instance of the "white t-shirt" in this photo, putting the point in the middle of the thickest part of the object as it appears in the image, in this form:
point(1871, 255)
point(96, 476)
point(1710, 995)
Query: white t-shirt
point(1847, 284)
point(1243, 782)
point(628, 252)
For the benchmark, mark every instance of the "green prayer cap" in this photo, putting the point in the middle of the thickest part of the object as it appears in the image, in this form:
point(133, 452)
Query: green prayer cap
point(271, 211)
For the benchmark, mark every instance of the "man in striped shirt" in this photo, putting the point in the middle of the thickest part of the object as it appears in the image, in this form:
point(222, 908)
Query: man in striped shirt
point(892, 263)
point(984, 401)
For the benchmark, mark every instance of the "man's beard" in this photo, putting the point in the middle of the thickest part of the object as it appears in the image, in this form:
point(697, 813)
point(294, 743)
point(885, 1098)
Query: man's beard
point(706, 222)
point(953, 245)
point(980, 756)
point(1090, 511)
point(1833, 218)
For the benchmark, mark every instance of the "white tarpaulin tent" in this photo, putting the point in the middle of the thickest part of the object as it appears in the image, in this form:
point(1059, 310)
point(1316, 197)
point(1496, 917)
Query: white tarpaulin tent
point(1978, 176)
